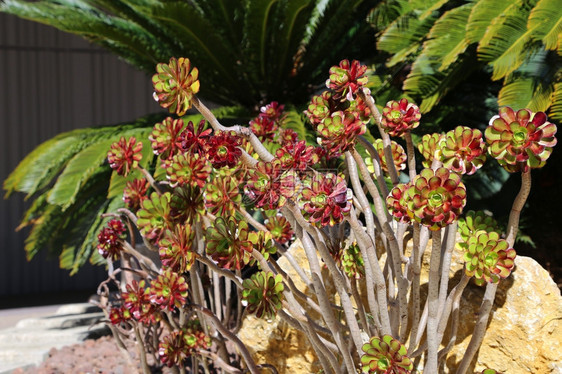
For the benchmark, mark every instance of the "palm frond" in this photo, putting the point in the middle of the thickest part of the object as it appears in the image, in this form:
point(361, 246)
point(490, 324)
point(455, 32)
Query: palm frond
point(556, 108)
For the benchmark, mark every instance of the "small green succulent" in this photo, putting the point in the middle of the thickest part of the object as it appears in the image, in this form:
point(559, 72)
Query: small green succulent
point(385, 356)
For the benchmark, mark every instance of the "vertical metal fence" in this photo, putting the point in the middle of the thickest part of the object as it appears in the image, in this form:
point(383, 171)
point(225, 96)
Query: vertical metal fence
point(51, 82)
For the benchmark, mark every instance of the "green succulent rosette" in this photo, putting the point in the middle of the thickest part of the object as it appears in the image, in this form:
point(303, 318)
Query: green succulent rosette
point(463, 150)
point(488, 258)
point(430, 143)
point(228, 243)
point(476, 221)
point(263, 293)
point(384, 356)
point(154, 216)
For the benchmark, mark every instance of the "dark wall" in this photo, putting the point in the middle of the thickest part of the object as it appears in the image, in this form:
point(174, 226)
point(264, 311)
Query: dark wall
point(51, 82)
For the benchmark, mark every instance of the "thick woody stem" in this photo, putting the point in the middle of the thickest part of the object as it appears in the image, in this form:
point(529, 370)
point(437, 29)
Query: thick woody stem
point(411, 155)
point(433, 304)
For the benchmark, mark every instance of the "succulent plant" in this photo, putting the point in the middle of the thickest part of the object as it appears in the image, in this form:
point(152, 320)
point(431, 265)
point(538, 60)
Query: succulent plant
point(119, 315)
point(269, 185)
point(297, 156)
point(279, 228)
point(125, 155)
point(476, 221)
point(339, 131)
point(520, 140)
point(175, 84)
point(398, 155)
point(154, 216)
point(272, 111)
point(263, 293)
point(222, 195)
point(188, 169)
point(223, 149)
point(397, 204)
point(136, 300)
point(352, 261)
point(487, 257)
point(194, 140)
point(398, 117)
point(436, 197)
point(463, 150)
point(262, 241)
point(134, 193)
point(168, 290)
point(165, 137)
point(346, 79)
point(325, 199)
point(110, 240)
point(264, 128)
point(177, 346)
point(385, 356)
point(228, 243)
point(176, 248)
point(186, 204)
point(321, 107)
point(430, 143)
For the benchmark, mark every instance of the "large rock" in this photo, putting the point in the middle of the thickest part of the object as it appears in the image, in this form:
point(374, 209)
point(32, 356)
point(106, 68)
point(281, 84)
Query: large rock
point(524, 334)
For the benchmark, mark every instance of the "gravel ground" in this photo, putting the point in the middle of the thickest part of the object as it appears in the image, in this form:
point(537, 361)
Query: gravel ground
point(100, 356)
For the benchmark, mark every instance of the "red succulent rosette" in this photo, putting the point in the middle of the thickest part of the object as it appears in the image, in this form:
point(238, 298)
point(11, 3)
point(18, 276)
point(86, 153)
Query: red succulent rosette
point(398, 117)
point(279, 228)
point(134, 193)
point(297, 156)
point(463, 150)
point(119, 315)
point(228, 243)
point(272, 111)
point(398, 155)
point(397, 204)
point(325, 199)
point(110, 239)
point(264, 128)
point(175, 84)
point(194, 140)
point(187, 204)
point(520, 140)
point(168, 290)
point(136, 299)
point(346, 79)
point(436, 197)
point(176, 248)
point(125, 155)
point(223, 149)
point(165, 137)
point(263, 294)
point(269, 185)
point(321, 107)
point(340, 131)
point(188, 169)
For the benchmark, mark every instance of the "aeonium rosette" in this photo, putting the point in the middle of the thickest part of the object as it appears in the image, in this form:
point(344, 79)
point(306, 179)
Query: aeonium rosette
point(436, 197)
point(297, 156)
point(134, 193)
point(346, 79)
point(397, 204)
point(398, 155)
point(154, 216)
point(325, 199)
point(176, 248)
point(175, 85)
point(165, 137)
point(488, 257)
point(476, 221)
point(430, 148)
point(279, 228)
point(385, 356)
point(110, 239)
point(223, 149)
point(125, 155)
point(169, 290)
point(463, 150)
point(339, 131)
point(228, 243)
point(398, 117)
point(263, 294)
point(520, 140)
point(188, 169)
point(269, 185)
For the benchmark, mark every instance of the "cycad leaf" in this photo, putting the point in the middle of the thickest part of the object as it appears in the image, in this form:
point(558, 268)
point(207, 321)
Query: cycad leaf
point(556, 108)
point(546, 21)
point(526, 93)
point(43, 230)
point(446, 39)
point(506, 42)
point(483, 12)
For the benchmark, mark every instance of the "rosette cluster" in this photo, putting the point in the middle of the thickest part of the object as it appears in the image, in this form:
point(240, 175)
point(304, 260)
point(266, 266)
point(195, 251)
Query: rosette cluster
point(385, 356)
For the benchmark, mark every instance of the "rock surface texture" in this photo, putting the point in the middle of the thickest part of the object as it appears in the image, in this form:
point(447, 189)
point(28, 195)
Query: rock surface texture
point(524, 334)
